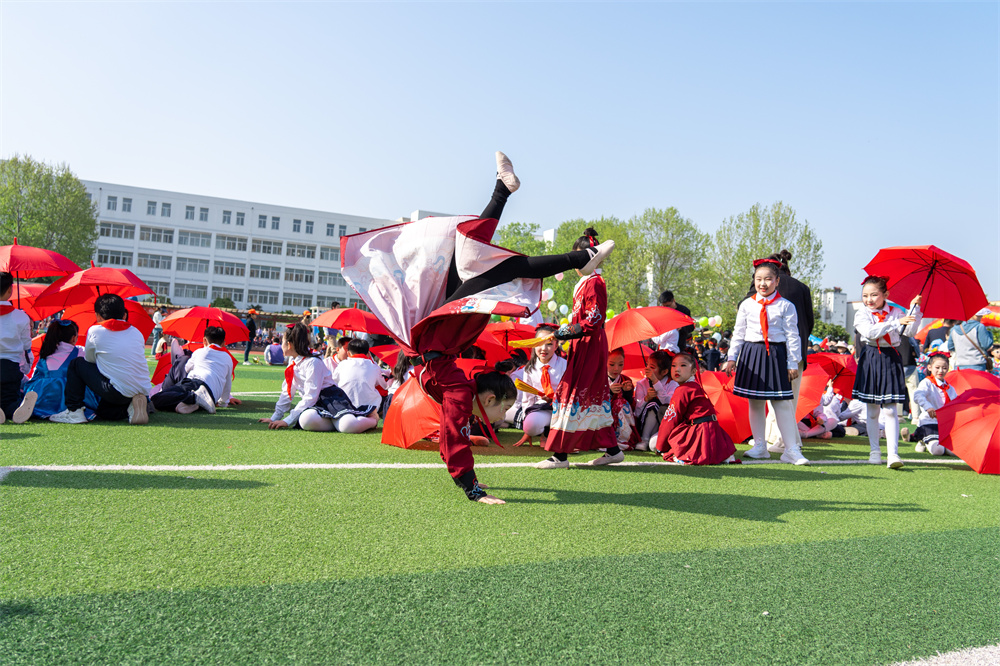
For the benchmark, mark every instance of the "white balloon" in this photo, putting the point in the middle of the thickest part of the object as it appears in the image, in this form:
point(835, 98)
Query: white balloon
point(552, 306)
point(547, 294)
point(563, 309)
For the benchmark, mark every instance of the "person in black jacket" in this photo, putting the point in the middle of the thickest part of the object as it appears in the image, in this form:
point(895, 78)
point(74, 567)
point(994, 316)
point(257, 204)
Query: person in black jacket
point(684, 334)
point(801, 297)
point(251, 325)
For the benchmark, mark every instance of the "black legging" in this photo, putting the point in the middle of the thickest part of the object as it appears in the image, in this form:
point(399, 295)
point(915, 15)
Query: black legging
point(514, 267)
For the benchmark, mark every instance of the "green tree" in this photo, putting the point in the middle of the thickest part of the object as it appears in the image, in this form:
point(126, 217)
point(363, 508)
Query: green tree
point(223, 302)
point(675, 251)
point(521, 237)
point(46, 206)
point(759, 232)
point(821, 329)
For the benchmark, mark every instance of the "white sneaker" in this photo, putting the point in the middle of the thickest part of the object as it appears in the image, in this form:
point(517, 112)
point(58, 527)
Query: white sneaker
point(894, 461)
point(25, 409)
point(597, 256)
point(875, 458)
point(757, 451)
point(550, 463)
point(642, 446)
point(793, 456)
point(67, 416)
point(607, 460)
point(184, 408)
point(137, 414)
point(851, 431)
point(204, 400)
point(920, 448)
point(246, 362)
point(505, 173)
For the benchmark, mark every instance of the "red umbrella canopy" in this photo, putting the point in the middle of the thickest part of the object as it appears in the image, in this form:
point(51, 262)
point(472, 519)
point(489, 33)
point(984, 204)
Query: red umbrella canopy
point(970, 427)
point(964, 380)
point(505, 331)
point(84, 286)
point(388, 354)
point(84, 317)
point(412, 416)
point(350, 319)
point(841, 368)
point(25, 261)
point(23, 298)
point(190, 324)
point(811, 390)
point(732, 410)
point(949, 285)
point(636, 355)
point(993, 318)
point(495, 351)
point(635, 324)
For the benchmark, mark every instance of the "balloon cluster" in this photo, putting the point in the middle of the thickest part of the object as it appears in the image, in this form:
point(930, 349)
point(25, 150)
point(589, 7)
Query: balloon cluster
point(710, 322)
point(547, 294)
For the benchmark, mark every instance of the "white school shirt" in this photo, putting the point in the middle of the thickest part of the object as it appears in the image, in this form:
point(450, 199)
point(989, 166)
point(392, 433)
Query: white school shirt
point(669, 341)
point(215, 368)
point(867, 324)
point(331, 362)
point(15, 337)
point(664, 391)
point(121, 357)
point(310, 377)
point(928, 396)
point(782, 326)
point(533, 377)
point(358, 377)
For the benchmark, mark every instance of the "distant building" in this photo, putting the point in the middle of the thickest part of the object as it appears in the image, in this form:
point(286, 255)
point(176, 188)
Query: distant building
point(194, 249)
point(834, 309)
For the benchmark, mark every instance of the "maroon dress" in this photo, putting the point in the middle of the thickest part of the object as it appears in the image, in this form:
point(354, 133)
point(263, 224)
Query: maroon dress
point(704, 443)
point(581, 411)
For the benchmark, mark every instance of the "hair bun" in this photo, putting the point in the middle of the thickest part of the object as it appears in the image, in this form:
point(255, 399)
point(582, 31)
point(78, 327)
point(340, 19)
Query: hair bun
point(591, 232)
point(786, 256)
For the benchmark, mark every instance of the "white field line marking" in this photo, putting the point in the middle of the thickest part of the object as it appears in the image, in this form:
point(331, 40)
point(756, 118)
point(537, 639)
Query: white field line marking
point(982, 656)
point(256, 393)
point(4, 471)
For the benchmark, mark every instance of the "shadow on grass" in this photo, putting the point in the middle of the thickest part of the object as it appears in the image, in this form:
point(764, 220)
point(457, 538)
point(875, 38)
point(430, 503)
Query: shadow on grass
point(122, 481)
point(9, 434)
point(744, 507)
point(767, 472)
point(9, 612)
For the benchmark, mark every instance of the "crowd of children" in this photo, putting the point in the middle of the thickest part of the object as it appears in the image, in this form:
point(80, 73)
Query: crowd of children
point(571, 393)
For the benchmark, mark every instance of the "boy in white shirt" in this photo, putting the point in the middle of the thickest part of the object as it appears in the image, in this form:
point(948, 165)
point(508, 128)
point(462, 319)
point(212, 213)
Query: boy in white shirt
point(15, 348)
point(114, 368)
point(359, 377)
point(209, 378)
point(932, 393)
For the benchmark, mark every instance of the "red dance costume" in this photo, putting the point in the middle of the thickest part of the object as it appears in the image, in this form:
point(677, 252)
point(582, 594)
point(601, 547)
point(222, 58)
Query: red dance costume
point(581, 412)
point(623, 413)
point(690, 441)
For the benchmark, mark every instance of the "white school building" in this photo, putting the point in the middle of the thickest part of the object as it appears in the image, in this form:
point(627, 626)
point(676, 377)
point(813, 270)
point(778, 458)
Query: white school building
point(194, 249)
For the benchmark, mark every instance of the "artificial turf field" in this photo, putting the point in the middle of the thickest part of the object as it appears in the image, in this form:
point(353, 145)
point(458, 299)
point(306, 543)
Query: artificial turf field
point(743, 564)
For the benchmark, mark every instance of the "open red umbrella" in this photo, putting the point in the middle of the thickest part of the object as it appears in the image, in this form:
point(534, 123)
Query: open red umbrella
point(993, 318)
point(388, 354)
point(841, 368)
point(84, 317)
point(23, 298)
point(635, 324)
point(495, 351)
point(922, 333)
point(505, 331)
point(84, 286)
point(636, 355)
point(190, 324)
point(964, 380)
point(350, 319)
point(811, 390)
point(970, 428)
point(733, 411)
point(25, 261)
point(948, 284)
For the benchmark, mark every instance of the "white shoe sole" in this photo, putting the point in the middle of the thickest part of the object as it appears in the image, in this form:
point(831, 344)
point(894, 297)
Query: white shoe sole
point(204, 400)
point(64, 419)
point(505, 173)
point(894, 464)
point(763, 456)
point(606, 460)
point(137, 414)
point(793, 461)
point(603, 251)
point(549, 464)
point(25, 409)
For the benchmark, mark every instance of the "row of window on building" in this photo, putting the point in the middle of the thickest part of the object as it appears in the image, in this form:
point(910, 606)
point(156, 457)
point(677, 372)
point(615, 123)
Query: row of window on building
point(166, 210)
point(222, 241)
point(226, 268)
point(182, 291)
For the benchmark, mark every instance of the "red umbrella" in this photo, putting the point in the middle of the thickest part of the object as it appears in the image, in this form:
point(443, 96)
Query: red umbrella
point(350, 319)
point(84, 286)
point(495, 351)
point(84, 317)
point(811, 390)
point(964, 380)
point(993, 318)
point(636, 355)
point(841, 368)
point(635, 324)
point(732, 410)
point(25, 261)
point(505, 331)
point(24, 295)
point(948, 284)
point(970, 428)
point(389, 354)
point(190, 324)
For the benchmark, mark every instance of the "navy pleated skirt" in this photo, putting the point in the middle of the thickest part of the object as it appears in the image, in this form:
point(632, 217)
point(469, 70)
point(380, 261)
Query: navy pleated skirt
point(334, 403)
point(761, 375)
point(880, 378)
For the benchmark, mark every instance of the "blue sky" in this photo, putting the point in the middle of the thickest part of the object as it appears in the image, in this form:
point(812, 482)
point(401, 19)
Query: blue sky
point(878, 123)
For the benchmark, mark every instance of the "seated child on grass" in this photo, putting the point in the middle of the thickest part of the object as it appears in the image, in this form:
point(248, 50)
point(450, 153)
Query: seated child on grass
point(543, 372)
point(113, 367)
point(362, 380)
point(336, 353)
point(44, 390)
point(622, 401)
point(652, 395)
point(273, 354)
point(207, 381)
point(323, 406)
point(932, 394)
point(15, 349)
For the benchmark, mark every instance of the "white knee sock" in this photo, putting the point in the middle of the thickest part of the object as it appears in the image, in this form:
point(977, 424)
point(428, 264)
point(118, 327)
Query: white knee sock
point(871, 422)
point(351, 424)
point(891, 428)
point(784, 415)
point(312, 421)
point(535, 423)
point(757, 421)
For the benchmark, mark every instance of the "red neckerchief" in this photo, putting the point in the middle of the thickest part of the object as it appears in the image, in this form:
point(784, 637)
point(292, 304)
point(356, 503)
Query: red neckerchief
point(943, 386)
point(290, 376)
point(763, 302)
point(880, 315)
point(547, 383)
point(115, 324)
point(223, 349)
point(6, 309)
